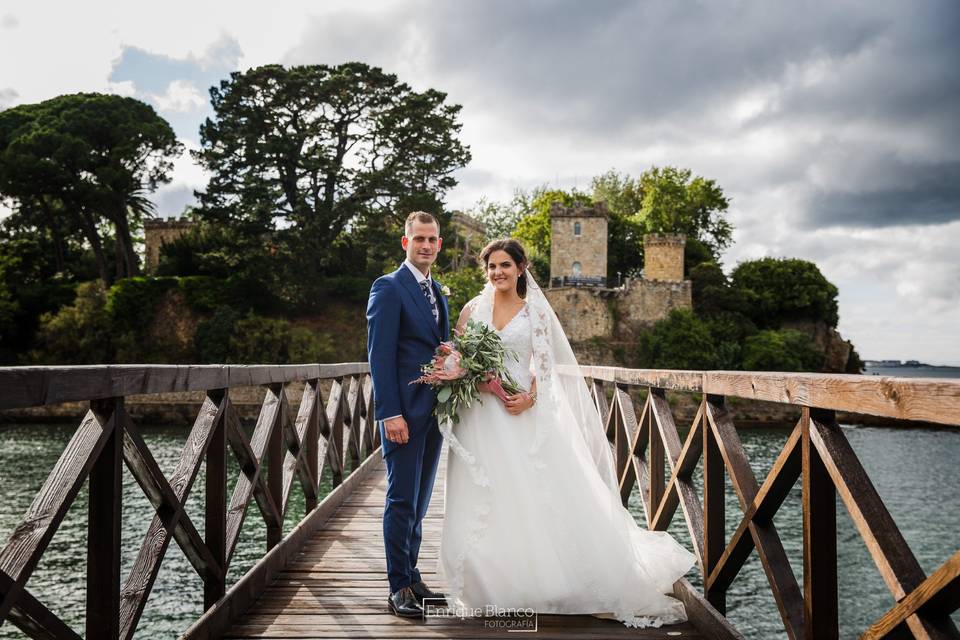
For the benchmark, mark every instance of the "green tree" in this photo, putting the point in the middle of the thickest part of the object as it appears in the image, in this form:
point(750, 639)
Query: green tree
point(500, 218)
point(533, 227)
point(680, 341)
point(69, 162)
point(308, 154)
point(778, 289)
point(781, 350)
point(32, 282)
point(80, 333)
point(464, 283)
point(676, 201)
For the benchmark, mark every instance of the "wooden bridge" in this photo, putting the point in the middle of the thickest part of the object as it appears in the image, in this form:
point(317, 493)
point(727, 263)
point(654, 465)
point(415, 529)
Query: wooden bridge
point(326, 578)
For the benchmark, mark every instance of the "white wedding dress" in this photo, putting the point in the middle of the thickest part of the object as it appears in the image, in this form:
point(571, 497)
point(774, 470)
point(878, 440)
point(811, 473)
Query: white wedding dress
point(532, 515)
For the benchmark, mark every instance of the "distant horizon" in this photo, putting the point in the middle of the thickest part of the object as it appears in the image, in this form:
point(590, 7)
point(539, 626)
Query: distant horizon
point(922, 363)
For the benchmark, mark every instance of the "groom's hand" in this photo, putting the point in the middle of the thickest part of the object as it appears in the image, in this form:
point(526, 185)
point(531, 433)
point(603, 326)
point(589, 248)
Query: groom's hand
point(396, 429)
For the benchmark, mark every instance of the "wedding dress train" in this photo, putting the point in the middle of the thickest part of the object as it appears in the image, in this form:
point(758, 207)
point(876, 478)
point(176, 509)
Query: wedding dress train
point(532, 516)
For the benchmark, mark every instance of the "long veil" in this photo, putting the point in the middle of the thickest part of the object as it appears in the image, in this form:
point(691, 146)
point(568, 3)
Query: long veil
point(569, 441)
point(559, 382)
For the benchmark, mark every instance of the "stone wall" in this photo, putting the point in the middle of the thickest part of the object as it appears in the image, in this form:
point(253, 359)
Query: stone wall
point(584, 313)
point(157, 233)
point(588, 313)
point(644, 302)
point(589, 248)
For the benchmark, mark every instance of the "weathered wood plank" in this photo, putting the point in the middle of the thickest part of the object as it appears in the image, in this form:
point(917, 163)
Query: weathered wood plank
point(215, 511)
point(775, 489)
point(940, 594)
point(250, 481)
point(163, 498)
point(773, 557)
point(897, 565)
point(32, 617)
point(274, 460)
point(714, 514)
point(214, 622)
point(659, 378)
point(820, 591)
point(136, 589)
point(104, 519)
point(930, 400)
point(37, 386)
point(30, 538)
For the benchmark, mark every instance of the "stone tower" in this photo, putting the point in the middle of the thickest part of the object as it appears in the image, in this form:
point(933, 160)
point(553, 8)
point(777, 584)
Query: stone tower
point(158, 232)
point(578, 253)
point(663, 256)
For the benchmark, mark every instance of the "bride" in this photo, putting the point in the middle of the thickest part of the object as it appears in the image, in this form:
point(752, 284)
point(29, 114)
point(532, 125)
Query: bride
point(533, 517)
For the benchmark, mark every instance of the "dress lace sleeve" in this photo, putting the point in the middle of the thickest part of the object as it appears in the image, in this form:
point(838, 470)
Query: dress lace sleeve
point(465, 314)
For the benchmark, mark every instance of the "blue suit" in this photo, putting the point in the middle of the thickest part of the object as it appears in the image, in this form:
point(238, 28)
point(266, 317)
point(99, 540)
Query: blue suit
point(401, 336)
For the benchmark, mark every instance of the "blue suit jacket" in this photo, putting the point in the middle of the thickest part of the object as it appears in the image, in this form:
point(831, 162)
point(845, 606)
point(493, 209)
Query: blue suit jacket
point(402, 336)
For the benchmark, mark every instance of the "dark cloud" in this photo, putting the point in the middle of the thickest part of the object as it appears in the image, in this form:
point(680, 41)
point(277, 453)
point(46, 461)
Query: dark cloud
point(9, 21)
point(927, 194)
point(880, 78)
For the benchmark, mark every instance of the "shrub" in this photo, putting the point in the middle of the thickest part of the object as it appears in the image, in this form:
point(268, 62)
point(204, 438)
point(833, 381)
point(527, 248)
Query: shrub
point(212, 339)
point(257, 339)
point(680, 341)
point(778, 289)
point(79, 333)
point(203, 293)
point(132, 302)
point(781, 350)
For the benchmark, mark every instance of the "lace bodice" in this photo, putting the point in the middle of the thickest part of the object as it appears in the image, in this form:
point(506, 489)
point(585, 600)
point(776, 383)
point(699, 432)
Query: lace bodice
point(516, 336)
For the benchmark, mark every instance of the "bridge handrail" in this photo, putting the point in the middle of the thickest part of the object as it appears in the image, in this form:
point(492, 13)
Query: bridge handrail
point(288, 444)
point(292, 445)
point(647, 446)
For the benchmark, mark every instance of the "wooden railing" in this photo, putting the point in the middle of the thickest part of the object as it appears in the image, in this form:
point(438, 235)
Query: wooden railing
point(648, 450)
point(288, 445)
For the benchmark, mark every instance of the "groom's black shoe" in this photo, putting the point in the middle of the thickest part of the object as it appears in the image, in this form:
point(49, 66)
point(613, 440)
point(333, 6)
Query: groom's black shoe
point(403, 603)
point(421, 591)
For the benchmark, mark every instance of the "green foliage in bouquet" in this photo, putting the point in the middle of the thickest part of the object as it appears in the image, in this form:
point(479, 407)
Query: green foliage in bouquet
point(477, 353)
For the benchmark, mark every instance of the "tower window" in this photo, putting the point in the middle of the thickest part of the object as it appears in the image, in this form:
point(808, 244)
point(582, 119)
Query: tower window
point(576, 267)
point(576, 229)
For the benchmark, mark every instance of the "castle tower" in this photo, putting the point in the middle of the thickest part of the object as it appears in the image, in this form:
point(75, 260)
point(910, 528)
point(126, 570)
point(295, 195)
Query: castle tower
point(578, 245)
point(663, 256)
point(158, 232)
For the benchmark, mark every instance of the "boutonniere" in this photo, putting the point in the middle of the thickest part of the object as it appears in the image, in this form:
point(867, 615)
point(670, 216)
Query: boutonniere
point(444, 289)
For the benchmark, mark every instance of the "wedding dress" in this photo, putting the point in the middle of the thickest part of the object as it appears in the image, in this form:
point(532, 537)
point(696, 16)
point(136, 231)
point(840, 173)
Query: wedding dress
point(532, 511)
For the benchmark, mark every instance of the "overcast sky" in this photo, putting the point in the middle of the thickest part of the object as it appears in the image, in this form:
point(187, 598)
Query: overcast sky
point(833, 126)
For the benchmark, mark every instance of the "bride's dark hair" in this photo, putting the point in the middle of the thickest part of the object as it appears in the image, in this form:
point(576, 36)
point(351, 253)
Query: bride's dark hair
point(515, 250)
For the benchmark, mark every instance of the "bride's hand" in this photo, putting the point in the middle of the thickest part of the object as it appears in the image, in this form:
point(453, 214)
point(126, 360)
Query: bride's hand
point(517, 404)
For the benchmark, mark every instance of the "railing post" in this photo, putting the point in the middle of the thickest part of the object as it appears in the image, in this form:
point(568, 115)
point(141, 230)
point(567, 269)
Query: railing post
point(714, 507)
point(311, 442)
point(215, 517)
point(103, 527)
point(821, 615)
point(656, 458)
point(275, 468)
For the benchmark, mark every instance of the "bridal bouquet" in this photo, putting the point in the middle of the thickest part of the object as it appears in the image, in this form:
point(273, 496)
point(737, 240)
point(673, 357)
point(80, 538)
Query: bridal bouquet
point(461, 365)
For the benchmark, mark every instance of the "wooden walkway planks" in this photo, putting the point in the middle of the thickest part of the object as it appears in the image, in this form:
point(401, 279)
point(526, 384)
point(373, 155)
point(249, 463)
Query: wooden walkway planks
point(337, 587)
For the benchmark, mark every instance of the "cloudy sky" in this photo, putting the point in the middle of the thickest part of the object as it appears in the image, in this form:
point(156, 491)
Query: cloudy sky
point(834, 126)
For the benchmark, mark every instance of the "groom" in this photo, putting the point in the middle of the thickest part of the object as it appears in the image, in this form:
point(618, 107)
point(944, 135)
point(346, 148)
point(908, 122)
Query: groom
point(407, 317)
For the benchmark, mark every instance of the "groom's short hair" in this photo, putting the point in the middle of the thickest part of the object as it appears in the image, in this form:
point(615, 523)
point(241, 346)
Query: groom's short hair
point(419, 216)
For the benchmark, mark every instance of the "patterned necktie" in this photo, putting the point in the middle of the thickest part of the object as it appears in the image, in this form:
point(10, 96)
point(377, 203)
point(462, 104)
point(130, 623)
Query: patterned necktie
point(432, 299)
